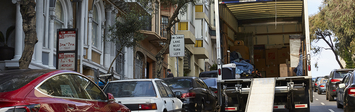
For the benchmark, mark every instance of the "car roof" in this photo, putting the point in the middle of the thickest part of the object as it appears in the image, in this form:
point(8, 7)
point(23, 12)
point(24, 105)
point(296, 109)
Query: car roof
point(26, 71)
point(126, 80)
point(342, 69)
point(186, 77)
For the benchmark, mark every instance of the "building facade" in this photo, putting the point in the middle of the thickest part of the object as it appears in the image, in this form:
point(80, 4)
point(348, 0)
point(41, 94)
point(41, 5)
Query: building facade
point(92, 18)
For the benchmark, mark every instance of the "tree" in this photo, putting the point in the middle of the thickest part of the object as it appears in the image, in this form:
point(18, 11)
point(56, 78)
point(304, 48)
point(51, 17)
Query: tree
point(28, 13)
point(126, 31)
point(335, 17)
point(180, 7)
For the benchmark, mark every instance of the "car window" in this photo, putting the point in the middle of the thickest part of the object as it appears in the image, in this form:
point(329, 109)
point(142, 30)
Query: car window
point(346, 79)
point(340, 74)
point(131, 89)
point(201, 83)
point(73, 86)
point(94, 91)
point(14, 79)
point(161, 89)
point(210, 82)
point(168, 90)
point(179, 83)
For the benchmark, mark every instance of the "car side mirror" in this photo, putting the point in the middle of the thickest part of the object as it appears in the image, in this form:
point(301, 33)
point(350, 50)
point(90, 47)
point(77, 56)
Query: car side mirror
point(178, 94)
point(342, 85)
point(110, 97)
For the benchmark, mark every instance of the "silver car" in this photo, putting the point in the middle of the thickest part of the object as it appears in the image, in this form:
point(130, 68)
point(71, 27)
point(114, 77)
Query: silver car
point(322, 85)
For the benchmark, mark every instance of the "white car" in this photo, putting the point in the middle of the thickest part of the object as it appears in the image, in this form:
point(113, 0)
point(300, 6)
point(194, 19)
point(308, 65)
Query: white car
point(145, 95)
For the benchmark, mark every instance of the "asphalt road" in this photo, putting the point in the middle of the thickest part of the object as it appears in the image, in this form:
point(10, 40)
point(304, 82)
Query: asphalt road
point(320, 104)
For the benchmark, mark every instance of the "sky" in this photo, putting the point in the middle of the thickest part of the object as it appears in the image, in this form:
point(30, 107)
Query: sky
point(326, 60)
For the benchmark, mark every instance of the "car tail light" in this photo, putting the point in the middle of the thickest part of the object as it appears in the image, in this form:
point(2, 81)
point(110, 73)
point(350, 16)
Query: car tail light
point(334, 80)
point(151, 106)
point(351, 91)
point(25, 108)
point(215, 91)
point(188, 95)
point(316, 84)
point(321, 86)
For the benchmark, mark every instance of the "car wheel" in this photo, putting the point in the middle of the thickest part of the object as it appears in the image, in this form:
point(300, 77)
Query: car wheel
point(346, 109)
point(200, 107)
point(326, 96)
point(339, 105)
point(319, 92)
point(331, 98)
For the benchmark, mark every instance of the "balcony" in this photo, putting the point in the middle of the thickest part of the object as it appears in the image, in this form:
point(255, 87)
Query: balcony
point(188, 29)
point(202, 12)
point(199, 51)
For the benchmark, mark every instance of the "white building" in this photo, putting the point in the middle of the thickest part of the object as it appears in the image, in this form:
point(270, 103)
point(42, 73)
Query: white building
point(93, 20)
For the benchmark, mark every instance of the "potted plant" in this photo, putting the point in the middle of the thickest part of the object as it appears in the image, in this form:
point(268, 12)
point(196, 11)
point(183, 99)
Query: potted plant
point(6, 52)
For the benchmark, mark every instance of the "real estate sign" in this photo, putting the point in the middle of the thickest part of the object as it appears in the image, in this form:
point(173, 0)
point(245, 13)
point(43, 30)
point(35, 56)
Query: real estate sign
point(67, 49)
point(177, 46)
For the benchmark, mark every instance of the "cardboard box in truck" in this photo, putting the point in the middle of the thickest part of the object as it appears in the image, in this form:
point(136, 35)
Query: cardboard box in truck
point(259, 54)
point(272, 71)
point(284, 70)
point(271, 56)
point(260, 64)
point(283, 54)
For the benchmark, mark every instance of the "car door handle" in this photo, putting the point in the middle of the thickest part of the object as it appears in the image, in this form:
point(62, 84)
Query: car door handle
point(164, 101)
point(173, 101)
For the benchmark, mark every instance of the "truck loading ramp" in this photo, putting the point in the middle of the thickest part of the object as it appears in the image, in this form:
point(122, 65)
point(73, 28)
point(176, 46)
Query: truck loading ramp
point(261, 95)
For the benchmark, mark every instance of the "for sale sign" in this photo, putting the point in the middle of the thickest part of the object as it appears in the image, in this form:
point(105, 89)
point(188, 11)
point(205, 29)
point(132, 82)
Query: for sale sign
point(67, 49)
point(67, 40)
point(177, 46)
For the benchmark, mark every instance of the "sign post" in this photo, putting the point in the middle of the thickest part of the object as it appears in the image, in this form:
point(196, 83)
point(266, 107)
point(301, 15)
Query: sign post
point(177, 48)
point(67, 49)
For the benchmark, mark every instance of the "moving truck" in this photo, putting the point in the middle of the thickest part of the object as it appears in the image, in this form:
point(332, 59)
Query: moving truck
point(273, 35)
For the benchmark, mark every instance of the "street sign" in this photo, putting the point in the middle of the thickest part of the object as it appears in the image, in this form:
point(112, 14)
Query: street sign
point(66, 61)
point(67, 40)
point(177, 46)
point(67, 49)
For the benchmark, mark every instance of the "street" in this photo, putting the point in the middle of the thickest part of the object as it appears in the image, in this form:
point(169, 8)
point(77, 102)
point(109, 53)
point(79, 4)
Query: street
point(320, 104)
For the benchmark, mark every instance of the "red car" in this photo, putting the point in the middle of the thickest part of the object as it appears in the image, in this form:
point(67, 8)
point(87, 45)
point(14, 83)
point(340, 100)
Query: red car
point(52, 91)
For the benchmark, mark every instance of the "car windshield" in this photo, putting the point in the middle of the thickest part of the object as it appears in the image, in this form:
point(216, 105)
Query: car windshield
point(179, 83)
point(210, 82)
point(340, 74)
point(15, 79)
point(131, 89)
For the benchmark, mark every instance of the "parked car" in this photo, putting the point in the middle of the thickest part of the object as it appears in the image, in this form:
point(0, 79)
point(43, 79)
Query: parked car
point(54, 91)
point(196, 96)
point(145, 94)
point(212, 84)
point(322, 85)
point(316, 83)
point(346, 93)
point(336, 75)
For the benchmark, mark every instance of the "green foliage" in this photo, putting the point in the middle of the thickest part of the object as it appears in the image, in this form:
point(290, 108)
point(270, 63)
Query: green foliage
point(213, 67)
point(126, 30)
point(336, 19)
point(5, 39)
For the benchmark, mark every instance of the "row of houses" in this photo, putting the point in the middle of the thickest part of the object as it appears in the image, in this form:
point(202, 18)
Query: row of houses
point(92, 18)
